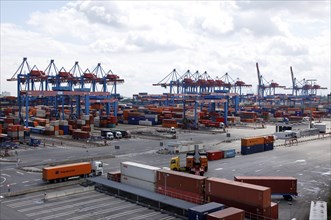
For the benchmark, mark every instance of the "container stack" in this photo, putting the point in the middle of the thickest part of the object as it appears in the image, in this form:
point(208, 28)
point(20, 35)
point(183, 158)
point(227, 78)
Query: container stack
point(252, 145)
point(64, 127)
point(257, 144)
point(179, 185)
point(139, 175)
point(257, 199)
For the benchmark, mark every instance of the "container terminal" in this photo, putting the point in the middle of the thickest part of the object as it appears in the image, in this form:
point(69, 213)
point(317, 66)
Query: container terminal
point(73, 148)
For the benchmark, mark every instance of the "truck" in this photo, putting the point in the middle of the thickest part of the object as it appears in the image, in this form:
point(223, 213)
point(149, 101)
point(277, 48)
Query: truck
point(64, 172)
point(280, 185)
point(196, 162)
point(106, 133)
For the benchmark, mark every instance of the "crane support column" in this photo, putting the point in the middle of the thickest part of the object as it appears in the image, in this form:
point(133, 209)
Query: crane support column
point(226, 111)
point(87, 105)
point(26, 111)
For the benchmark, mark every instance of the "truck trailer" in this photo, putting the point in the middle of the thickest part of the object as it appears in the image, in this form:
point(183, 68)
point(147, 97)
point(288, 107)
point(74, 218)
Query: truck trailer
point(64, 172)
point(279, 185)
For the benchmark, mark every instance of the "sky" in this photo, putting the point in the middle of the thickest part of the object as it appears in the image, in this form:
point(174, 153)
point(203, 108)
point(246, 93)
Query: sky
point(143, 41)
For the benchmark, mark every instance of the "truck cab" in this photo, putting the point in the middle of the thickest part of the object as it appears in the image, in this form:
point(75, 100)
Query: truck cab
point(118, 135)
point(175, 163)
point(110, 135)
point(97, 168)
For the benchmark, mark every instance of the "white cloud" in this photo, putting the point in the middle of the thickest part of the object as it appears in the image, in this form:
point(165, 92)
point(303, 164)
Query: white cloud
point(144, 41)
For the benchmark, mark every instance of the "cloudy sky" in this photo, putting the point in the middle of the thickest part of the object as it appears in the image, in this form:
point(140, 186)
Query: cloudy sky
point(143, 41)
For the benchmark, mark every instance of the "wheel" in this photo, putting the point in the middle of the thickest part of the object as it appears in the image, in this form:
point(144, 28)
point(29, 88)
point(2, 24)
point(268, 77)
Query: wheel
point(288, 197)
point(175, 169)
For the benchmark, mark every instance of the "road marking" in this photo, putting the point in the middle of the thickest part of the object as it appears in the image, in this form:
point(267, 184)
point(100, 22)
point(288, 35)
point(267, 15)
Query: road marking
point(257, 170)
point(20, 199)
point(36, 180)
point(4, 179)
point(5, 174)
point(106, 164)
point(219, 168)
point(145, 216)
point(19, 173)
point(26, 181)
point(125, 213)
point(12, 184)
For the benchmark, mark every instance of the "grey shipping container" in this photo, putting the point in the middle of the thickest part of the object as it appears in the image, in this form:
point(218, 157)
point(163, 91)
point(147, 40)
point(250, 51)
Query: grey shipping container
point(200, 212)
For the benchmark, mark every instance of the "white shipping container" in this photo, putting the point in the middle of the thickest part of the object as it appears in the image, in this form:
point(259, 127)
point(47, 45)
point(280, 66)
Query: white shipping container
point(139, 171)
point(138, 183)
point(55, 123)
point(63, 122)
point(320, 126)
point(80, 122)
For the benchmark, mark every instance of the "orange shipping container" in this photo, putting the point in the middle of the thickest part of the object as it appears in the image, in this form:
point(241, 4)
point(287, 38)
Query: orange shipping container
point(66, 171)
point(247, 142)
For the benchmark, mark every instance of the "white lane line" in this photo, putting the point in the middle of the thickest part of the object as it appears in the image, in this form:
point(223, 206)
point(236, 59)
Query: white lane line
point(257, 171)
point(125, 213)
point(101, 212)
point(20, 199)
point(103, 204)
point(26, 181)
point(25, 203)
point(12, 184)
point(19, 173)
point(219, 168)
point(36, 180)
point(106, 164)
point(145, 216)
point(4, 179)
point(3, 174)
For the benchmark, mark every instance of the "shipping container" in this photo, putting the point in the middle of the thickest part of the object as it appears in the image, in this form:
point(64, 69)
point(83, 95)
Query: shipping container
point(229, 153)
point(150, 186)
point(181, 181)
point(200, 212)
point(251, 211)
point(215, 155)
point(245, 150)
point(269, 146)
point(279, 185)
point(114, 176)
point(227, 214)
point(247, 142)
point(258, 196)
point(139, 171)
point(197, 198)
point(65, 171)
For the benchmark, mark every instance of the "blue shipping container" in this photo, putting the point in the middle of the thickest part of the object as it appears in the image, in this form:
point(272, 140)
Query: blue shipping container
point(252, 149)
point(229, 153)
point(200, 212)
point(268, 146)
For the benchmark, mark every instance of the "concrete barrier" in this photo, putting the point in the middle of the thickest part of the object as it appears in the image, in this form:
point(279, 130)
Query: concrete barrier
point(43, 188)
point(57, 194)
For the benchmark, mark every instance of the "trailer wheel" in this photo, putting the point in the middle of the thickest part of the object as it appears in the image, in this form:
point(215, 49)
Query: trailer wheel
point(288, 197)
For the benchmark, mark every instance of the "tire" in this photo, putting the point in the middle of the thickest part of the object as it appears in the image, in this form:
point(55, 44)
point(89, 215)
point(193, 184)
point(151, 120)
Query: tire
point(288, 197)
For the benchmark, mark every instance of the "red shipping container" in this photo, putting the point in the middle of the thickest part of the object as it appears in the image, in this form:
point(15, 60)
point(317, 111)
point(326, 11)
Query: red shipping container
point(250, 211)
point(227, 214)
point(215, 155)
point(258, 196)
point(180, 194)
point(281, 185)
point(114, 176)
point(181, 181)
